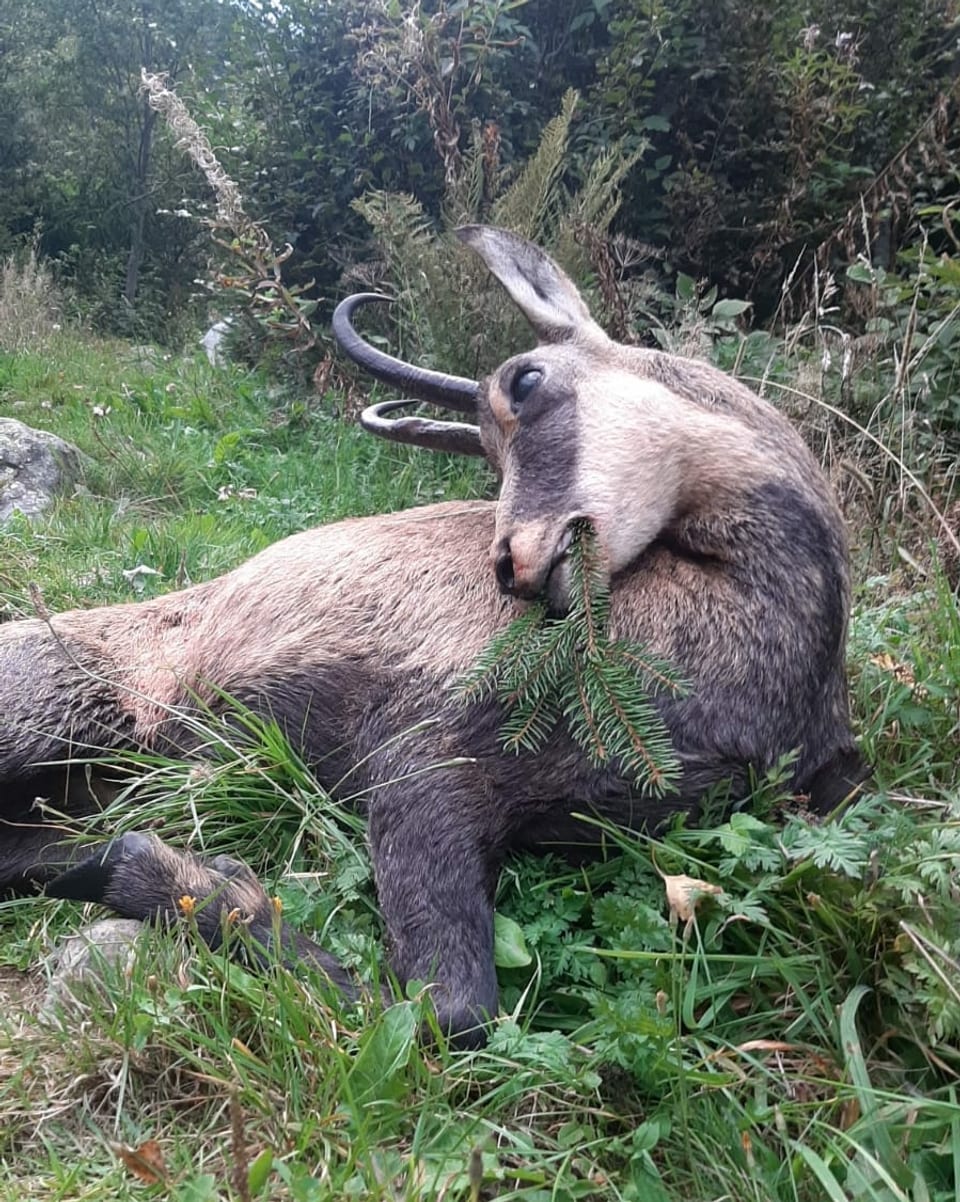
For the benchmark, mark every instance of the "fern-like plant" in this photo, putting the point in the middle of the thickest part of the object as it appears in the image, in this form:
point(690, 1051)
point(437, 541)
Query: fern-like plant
point(545, 670)
point(444, 297)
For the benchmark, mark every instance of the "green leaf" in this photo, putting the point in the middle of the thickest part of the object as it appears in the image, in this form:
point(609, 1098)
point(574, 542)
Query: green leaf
point(736, 836)
point(259, 1171)
point(833, 1188)
point(386, 1050)
point(726, 310)
point(197, 1189)
point(861, 273)
point(509, 945)
point(873, 1127)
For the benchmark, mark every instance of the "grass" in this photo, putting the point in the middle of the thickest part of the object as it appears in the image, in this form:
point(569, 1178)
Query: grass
point(30, 303)
point(797, 1039)
point(190, 471)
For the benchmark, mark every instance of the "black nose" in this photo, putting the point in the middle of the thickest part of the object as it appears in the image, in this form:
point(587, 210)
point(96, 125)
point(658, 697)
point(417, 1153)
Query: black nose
point(504, 572)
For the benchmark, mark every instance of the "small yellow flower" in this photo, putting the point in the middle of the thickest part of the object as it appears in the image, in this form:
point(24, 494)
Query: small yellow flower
point(187, 905)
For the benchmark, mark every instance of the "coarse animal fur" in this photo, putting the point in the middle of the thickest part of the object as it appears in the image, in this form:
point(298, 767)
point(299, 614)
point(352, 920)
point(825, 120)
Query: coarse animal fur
point(727, 557)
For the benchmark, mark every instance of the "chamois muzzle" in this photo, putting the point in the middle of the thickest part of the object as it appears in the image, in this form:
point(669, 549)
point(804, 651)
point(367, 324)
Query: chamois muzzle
point(533, 575)
point(439, 388)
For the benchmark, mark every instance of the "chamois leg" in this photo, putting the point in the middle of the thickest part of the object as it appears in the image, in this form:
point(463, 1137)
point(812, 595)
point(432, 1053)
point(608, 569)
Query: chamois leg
point(59, 698)
point(33, 851)
point(138, 876)
point(37, 837)
point(436, 898)
point(436, 861)
point(435, 894)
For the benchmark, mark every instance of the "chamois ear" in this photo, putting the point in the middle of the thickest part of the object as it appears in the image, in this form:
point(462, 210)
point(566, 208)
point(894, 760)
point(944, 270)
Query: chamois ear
point(544, 294)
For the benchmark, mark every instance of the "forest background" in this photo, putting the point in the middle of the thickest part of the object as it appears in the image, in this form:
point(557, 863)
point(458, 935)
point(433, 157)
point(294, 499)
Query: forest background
point(768, 138)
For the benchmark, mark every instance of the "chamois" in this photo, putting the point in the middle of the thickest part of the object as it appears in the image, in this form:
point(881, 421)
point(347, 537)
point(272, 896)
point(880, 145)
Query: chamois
point(726, 555)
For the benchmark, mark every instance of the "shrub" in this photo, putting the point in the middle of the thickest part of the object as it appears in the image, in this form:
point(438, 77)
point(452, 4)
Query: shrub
point(446, 298)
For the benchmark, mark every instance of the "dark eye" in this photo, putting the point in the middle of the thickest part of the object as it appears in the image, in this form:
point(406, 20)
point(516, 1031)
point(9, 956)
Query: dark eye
point(524, 383)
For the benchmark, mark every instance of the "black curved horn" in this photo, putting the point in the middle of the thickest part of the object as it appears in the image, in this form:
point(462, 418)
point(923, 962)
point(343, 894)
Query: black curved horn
point(453, 392)
point(458, 437)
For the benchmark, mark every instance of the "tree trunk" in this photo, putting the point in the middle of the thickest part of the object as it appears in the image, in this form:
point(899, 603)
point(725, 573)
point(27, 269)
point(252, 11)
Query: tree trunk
point(139, 206)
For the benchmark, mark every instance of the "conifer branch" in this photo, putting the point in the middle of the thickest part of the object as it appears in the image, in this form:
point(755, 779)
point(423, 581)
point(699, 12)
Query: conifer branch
point(631, 729)
point(544, 669)
point(641, 663)
point(591, 742)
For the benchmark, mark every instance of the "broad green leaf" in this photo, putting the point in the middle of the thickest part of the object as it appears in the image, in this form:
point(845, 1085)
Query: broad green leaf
point(384, 1055)
point(509, 945)
point(725, 310)
point(259, 1171)
point(861, 273)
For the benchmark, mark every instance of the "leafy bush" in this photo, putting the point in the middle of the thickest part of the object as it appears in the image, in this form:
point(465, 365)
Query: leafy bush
point(916, 325)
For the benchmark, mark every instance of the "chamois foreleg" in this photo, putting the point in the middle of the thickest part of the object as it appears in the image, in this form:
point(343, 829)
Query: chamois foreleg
point(436, 882)
point(438, 834)
point(138, 876)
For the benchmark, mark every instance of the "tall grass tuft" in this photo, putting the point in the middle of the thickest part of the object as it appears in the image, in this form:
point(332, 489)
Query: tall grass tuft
point(450, 313)
point(254, 283)
point(31, 304)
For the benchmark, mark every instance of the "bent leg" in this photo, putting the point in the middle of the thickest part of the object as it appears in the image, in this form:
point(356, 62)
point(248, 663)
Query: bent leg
point(139, 876)
point(436, 855)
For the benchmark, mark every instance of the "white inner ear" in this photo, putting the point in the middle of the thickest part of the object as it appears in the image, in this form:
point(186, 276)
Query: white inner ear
point(543, 292)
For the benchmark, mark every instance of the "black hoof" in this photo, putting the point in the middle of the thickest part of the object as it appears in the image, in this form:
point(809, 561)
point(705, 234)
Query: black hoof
point(90, 880)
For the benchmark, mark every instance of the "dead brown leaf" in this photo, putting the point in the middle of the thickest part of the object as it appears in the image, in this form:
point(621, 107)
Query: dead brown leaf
point(144, 1162)
point(684, 894)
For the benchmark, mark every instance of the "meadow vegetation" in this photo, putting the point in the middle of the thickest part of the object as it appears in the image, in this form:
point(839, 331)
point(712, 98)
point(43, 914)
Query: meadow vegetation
point(790, 1031)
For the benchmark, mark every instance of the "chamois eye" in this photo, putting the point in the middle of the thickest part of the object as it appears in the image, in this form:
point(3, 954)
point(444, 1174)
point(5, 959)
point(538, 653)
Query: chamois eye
point(523, 384)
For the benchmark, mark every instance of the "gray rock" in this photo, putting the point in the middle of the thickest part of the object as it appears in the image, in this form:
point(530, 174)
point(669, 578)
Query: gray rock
point(213, 342)
point(35, 468)
point(82, 967)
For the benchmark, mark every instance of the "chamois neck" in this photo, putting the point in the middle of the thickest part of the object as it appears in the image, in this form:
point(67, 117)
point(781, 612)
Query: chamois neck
point(749, 493)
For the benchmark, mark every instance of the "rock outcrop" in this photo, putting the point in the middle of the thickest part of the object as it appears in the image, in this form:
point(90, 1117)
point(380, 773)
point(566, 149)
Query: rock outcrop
point(36, 467)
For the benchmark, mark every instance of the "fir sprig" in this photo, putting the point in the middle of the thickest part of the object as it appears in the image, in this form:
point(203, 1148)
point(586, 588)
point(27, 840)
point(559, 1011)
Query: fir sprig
point(544, 669)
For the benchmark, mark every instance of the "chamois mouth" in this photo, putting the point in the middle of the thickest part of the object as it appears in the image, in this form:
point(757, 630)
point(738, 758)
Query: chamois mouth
point(552, 580)
point(555, 589)
point(556, 586)
point(562, 550)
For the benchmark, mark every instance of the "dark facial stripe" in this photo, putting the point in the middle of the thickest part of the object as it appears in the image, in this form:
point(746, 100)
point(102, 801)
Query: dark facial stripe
point(546, 451)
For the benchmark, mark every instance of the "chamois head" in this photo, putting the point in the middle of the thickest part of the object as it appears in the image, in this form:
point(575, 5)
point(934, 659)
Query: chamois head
point(582, 427)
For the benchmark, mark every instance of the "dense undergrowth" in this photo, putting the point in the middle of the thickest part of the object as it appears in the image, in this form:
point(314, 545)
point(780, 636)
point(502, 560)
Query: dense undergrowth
point(795, 1036)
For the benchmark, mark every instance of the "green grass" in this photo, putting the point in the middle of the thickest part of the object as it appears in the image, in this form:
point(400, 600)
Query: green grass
point(190, 471)
point(799, 1039)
